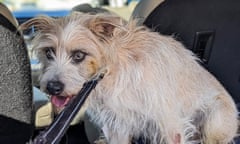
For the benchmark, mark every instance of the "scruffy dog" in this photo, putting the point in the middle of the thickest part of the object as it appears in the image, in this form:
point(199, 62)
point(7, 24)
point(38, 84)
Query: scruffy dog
point(153, 87)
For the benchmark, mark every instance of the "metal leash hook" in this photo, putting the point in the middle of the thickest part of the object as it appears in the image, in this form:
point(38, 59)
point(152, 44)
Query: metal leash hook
point(54, 133)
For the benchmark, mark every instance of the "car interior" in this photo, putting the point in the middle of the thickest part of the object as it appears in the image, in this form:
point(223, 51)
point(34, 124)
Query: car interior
point(209, 28)
point(15, 88)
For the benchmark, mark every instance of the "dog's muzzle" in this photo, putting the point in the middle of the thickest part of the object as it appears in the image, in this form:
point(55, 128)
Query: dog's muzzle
point(59, 126)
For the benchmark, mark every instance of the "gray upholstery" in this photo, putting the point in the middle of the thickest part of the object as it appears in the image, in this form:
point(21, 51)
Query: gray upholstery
point(16, 114)
point(15, 78)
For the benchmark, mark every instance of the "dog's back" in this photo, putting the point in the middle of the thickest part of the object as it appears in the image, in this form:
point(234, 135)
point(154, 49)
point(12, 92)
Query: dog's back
point(158, 89)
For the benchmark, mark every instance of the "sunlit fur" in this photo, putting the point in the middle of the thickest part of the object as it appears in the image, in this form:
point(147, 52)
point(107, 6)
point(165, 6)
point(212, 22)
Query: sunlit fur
point(153, 87)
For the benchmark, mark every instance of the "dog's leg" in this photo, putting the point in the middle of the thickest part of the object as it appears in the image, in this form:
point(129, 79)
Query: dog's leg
point(114, 137)
point(177, 139)
point(182, 133)
point(174, 135)
point(221, 123)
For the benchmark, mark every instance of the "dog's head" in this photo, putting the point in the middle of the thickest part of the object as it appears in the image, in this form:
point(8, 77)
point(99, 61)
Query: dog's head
point(71, 50)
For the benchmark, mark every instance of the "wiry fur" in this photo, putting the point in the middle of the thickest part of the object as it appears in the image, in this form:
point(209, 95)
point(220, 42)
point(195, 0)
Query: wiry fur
point(153, 87)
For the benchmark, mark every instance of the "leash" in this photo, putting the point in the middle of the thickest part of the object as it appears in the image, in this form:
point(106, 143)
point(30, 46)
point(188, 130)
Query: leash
point(54, 133)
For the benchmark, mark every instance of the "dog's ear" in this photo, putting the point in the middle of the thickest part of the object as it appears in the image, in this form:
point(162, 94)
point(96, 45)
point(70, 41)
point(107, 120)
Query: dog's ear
point(41, 23)
point(104, 26)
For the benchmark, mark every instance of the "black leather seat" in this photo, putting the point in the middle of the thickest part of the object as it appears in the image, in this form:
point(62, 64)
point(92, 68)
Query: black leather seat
point(16, 120)
point(210, 28)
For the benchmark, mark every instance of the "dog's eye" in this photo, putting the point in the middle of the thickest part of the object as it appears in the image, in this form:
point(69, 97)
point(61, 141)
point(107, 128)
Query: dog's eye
point(49, 53)
point(78, 56)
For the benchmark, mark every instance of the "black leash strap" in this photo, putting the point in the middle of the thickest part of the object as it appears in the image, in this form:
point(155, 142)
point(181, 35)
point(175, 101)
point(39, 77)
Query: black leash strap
point(54, 133)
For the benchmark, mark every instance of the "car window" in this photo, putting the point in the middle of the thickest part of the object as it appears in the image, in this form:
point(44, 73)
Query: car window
point(29, 8)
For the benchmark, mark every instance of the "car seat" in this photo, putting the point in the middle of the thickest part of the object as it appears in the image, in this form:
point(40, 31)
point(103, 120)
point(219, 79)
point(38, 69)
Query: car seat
point(210, 28)
point(15, 83)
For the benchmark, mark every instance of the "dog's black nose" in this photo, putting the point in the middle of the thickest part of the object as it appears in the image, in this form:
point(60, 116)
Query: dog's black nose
point(55, 87)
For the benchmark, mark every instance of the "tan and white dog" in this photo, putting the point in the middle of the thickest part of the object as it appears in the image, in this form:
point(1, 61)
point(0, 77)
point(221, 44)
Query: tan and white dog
point(153, 87)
